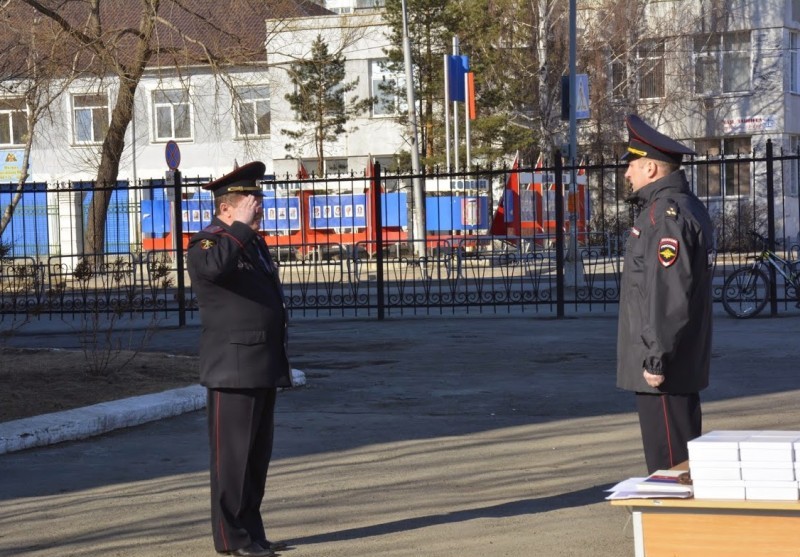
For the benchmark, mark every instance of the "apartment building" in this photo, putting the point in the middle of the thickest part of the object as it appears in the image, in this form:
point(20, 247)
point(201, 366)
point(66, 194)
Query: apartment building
point(723, 77)
point(217, 121)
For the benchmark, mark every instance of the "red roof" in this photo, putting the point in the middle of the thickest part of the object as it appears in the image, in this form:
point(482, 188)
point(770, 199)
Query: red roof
point(186, 33)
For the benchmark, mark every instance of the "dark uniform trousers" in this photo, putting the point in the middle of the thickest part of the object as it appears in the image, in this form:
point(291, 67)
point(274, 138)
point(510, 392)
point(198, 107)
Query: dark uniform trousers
point(668, 422)
point(241, 429)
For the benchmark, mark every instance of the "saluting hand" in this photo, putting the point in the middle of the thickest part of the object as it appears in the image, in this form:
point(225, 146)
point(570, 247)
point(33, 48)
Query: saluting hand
point(248, 211)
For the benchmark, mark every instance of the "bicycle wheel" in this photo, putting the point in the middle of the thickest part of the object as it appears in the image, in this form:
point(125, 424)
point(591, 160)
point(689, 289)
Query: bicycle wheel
point(745, 292)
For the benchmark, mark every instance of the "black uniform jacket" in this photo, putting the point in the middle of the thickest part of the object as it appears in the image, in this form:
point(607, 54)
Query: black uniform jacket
point(665, 296)
point(243, 342)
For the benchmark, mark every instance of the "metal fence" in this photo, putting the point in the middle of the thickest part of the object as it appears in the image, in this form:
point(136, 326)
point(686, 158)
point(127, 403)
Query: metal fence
point(380, 244)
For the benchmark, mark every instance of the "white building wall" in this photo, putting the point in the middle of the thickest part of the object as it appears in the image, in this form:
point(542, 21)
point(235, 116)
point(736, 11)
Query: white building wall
point(211, 151)
point(361, 37)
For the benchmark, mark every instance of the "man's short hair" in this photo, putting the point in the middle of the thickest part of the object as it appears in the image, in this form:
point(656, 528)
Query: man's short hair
point(229, 198)
point(670, 167)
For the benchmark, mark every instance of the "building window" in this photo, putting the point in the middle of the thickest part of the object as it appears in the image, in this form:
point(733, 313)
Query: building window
point(794, 62)
point(89, 118)
point(722, 63)
point(172, 114)
point(350, 6)
point(650, 61)
point(793, 163)
point(335, 166)
point(13, 121)
point(385, 90)
point(796, 10)
point(252, 111)
point(619, 77)
point(727, 172)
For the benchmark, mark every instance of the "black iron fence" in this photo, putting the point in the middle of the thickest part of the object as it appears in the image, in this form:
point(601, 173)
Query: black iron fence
point(544, 239)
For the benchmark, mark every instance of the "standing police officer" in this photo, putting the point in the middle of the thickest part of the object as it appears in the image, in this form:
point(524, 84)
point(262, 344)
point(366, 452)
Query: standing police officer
point(243, 357)
point(664, 337)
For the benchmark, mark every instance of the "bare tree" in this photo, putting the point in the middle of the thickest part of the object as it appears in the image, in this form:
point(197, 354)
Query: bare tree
point(122, 39)
point(25, 72)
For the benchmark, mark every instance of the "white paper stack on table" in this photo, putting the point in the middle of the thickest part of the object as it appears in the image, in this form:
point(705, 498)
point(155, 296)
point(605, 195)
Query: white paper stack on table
point(755, 465)
point(640, 488)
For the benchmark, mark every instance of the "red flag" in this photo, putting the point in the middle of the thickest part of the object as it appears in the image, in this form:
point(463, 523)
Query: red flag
point(471, 96)
point(302, 173)
point(499, 222)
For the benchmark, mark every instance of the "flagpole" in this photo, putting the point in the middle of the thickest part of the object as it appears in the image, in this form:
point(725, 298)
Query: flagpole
point(466, 118)
point(455, 117)
point(447, 109)
point(418, 188)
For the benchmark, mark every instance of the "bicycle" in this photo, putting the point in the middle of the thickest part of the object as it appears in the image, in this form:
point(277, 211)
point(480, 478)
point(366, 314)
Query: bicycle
point(746, 291)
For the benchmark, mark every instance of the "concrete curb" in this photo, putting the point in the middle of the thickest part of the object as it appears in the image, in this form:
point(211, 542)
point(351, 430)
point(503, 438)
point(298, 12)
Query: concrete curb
point(97, 419)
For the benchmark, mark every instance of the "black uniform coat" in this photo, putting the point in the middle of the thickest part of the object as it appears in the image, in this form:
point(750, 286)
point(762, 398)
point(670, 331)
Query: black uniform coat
point(665, 296)
point(243, 342)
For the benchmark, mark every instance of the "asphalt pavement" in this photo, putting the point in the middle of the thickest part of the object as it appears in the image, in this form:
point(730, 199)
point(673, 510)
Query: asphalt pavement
point(430, 436)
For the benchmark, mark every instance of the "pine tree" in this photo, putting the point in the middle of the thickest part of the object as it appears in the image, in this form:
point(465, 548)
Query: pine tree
point(320, 100)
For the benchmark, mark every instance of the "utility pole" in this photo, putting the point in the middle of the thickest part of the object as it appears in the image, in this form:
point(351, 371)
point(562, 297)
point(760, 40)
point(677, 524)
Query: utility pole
point(572, 249)
point(418, 189)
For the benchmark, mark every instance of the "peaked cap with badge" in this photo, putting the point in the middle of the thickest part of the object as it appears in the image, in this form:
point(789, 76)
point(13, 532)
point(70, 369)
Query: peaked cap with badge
point(645, 141)
point(243, 180)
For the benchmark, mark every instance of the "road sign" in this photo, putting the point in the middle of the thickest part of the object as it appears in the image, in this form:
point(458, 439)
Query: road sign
point(582, 106)
point(173, 155)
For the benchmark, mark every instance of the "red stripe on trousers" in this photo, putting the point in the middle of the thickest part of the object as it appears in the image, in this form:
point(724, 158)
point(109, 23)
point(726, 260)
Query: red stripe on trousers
point(216, 443)
point(666, 427)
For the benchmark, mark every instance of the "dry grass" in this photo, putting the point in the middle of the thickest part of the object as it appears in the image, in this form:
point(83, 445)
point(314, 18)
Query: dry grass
point(40, 381)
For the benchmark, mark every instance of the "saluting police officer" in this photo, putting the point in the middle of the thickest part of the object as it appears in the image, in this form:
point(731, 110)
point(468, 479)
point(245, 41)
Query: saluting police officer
point(243, 357)
point(664, 336)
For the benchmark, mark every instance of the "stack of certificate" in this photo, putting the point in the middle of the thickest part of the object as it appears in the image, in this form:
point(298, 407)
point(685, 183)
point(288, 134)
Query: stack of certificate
point(755, 465)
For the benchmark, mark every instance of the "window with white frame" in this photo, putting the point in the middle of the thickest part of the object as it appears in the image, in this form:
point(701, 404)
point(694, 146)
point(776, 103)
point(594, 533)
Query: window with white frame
point(386, 97)
point(650, 61)
point(794, 62)
point(172, 114)
point(89, 118)
point(727, 172)
point(13, 121)
point(252, 111)
point(722, 63)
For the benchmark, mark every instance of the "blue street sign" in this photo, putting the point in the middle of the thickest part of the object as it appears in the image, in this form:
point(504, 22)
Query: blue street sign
point(173, 155)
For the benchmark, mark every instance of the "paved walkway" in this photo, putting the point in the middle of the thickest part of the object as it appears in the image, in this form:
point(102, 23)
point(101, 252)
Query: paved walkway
point(430, 436)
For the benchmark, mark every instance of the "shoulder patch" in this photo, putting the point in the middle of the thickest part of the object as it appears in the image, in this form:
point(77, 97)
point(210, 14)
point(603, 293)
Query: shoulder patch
point(668, 251)
point(207, 244)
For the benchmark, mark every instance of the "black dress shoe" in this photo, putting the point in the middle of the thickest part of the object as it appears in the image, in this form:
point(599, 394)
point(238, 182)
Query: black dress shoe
point(274, 546)
point(253, 550)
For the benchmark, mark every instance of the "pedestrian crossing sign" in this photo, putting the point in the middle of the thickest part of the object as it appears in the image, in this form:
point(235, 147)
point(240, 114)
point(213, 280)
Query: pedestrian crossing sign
point(582, 106)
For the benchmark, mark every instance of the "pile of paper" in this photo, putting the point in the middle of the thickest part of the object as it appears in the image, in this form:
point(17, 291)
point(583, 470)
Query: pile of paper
point(661, 484)
point(755, 465)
